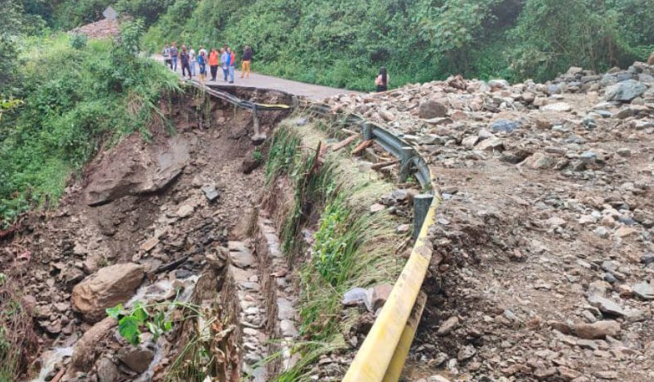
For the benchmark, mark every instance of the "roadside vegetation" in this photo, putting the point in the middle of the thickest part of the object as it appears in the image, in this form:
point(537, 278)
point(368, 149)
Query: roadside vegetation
point(68, 97)
point(343, 43)
point(352, 248)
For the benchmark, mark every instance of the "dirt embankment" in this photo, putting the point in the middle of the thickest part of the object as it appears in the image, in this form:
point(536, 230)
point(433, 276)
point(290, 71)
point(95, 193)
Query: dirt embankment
point(163, 205)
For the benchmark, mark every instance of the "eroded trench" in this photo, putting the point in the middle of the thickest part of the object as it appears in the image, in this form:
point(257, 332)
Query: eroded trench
point(172, 224)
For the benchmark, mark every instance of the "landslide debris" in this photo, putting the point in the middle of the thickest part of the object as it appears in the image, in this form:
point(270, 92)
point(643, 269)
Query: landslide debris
point(545, 230)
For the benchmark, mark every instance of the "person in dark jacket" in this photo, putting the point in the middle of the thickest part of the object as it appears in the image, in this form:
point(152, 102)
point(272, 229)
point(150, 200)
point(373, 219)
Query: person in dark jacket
point(247, 60)
point(185, 59)
point(382, 80)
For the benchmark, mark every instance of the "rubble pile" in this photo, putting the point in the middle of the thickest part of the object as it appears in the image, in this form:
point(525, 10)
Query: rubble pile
point(104, 28)
point(545, 261)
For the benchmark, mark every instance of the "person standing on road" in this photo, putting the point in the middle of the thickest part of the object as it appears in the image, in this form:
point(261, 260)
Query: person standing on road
point(213, 63)
point(224, 62)
point(185, 59)
point(247, 60)
point(382, 80)
point(166, 56)
point(202, 64)
point(232, 65)
point(192, 60)
point(174, 54)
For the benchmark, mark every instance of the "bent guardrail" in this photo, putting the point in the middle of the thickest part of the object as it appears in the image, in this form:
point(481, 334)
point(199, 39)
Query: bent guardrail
point(383, 353)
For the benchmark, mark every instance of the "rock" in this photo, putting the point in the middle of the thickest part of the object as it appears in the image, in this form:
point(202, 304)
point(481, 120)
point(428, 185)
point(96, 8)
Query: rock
point(544, 373)
point(437, 378)
point(108, 371)
point(429, 109)
point(644, 291)
point(354, 296)
point(623, 232)
point(448, 326)
point(185, 210)
point(597, 330)
point(505, 125)
point(387, 115)
point(490, 144)
point(466, 352)
point(624, 152)
point(625, 91)
point(606, 306)
point(557, 107)
point(140, 170)
point(249, 165)
point(107, 288)
point(377, 296)
point(85, 349)
point(211, 193)
point(288, 329)
point(149, 244)
point(568, 374)
point(137, 359)
point(241, 256)
point(539, 161)
point(285, 310)
point(647, 258)
point(470, 142)
point(607, 375)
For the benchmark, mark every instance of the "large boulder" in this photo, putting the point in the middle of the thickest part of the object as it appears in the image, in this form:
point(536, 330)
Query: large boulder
point(87, 348)
point(107, 288)
point(625, 91)
point(432, 109)
point(142, 168)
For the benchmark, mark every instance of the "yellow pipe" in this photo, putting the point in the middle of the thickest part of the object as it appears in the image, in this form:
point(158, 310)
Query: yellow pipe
point(375, 355)
point(402, 350)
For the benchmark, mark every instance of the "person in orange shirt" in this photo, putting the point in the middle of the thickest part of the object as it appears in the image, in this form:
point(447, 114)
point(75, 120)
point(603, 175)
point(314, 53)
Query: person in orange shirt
point(213, 63)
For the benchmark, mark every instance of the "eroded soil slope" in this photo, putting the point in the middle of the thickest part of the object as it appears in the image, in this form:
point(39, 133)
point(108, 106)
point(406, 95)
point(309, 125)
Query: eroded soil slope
point(161, 204)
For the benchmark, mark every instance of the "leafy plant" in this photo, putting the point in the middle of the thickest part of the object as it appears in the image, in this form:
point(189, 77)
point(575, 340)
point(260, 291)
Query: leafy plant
point(257, 155)
point(131, 322)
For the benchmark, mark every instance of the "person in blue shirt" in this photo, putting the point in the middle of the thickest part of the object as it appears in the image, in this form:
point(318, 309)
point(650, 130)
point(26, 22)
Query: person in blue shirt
point(224, 62)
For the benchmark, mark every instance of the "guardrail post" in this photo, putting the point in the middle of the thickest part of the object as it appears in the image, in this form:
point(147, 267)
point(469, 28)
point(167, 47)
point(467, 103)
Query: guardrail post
point(257, 138)
point(406, 155)
point(421, 204)
point(367, 132)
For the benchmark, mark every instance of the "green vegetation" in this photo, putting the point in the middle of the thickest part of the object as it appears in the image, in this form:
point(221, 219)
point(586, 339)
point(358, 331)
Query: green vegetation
point(130, 323)
point(352, 246)
point(343, 43)
point(76, 96)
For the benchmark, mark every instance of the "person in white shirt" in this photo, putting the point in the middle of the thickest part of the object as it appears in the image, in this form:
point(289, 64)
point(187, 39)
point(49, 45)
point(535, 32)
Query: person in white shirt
point(192, 59)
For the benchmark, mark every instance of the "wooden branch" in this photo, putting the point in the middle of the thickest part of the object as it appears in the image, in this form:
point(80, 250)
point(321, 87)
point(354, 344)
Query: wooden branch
point(345, 142)
point(362, 146)
point(379, 166)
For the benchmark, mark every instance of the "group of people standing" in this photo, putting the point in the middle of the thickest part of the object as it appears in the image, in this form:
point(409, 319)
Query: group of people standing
point(187, 58)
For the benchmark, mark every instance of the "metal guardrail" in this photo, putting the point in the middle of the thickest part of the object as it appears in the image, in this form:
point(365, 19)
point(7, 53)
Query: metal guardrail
point(383, 353)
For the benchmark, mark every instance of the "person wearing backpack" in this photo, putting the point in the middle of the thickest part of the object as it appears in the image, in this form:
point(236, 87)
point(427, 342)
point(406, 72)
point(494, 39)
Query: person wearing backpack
point(232, 65)
point(166, 56)
point(247, 59)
